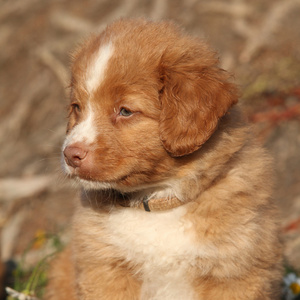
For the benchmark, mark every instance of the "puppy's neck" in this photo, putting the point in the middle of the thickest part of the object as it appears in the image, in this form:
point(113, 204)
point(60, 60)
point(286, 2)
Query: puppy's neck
point(108, 199)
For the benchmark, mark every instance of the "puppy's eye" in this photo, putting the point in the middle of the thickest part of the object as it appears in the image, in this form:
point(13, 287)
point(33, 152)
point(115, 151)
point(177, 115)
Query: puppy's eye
point(125, 112)
point(75, 107)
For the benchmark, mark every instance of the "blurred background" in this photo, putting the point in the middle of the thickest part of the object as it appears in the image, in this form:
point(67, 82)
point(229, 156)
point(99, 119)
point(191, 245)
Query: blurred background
point(258, 41)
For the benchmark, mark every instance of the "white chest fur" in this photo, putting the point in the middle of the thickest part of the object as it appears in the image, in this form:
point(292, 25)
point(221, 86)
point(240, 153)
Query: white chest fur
point(162, 244)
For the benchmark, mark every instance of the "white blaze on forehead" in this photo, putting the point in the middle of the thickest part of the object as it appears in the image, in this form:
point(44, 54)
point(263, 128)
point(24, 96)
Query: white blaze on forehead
point(85, 131)
point(96, 69)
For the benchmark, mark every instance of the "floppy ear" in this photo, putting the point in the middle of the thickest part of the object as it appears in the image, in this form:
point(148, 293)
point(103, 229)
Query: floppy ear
point(196, 93)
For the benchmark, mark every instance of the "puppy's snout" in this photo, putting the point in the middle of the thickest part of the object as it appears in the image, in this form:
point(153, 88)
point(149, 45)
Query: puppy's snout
point(74, 155)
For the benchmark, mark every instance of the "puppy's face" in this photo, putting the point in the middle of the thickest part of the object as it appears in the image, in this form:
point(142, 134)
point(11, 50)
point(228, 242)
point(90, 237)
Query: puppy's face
point(113, 130)
point(138, 101)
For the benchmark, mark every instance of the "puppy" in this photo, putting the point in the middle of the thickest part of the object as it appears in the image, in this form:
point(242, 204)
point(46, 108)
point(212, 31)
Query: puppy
point(175, 192)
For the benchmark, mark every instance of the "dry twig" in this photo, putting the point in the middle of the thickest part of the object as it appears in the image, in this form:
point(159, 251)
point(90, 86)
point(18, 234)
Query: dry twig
point(159, 10)
point(262, 35)
point(9, 8)
point(71, 23)
point(15, 188)
point(234, 8)
point(10, 234)
point(12, 124)
point(54, 65)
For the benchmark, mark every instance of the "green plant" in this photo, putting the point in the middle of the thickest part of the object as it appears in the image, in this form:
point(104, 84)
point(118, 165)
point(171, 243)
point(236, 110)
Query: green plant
point(32, 281)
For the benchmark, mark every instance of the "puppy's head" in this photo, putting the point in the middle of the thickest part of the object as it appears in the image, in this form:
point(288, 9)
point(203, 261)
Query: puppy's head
point(143, 94)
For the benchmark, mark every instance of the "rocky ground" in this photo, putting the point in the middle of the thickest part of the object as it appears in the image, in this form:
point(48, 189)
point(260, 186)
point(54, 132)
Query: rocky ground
point(257, 40)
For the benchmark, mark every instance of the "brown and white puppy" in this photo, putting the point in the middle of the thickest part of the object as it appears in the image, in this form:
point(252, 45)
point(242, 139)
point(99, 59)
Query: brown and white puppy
point(176, 195)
